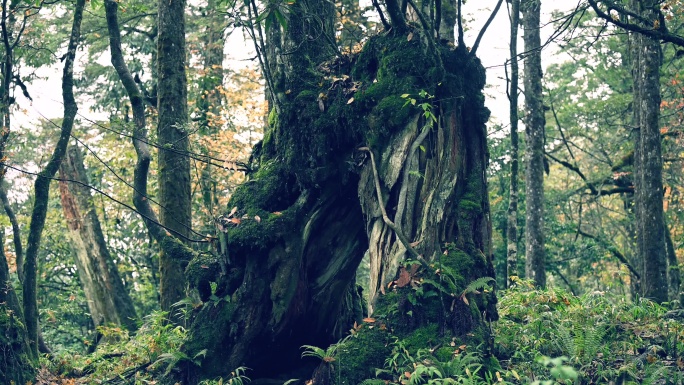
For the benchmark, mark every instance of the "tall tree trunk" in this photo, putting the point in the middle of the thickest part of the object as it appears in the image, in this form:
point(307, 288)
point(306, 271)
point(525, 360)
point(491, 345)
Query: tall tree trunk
point(648, 160)
point(172, 134)
point(42, 184)
point(534, 138)
point(108, 299)
point(512, 218)
point(416, 187)
point(209, 104)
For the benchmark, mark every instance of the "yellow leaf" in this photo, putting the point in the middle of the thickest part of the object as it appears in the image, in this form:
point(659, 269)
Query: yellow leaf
point(369, 320)
point(350, 101)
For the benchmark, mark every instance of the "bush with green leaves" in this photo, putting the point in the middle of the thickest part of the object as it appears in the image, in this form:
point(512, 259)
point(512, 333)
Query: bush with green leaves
point(606, 338)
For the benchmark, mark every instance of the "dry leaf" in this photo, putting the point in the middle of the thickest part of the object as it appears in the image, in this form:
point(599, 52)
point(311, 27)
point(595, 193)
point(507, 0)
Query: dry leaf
point(410, 36)
point(404, 278)
point(257, 218)
point(350, 101)
point(233, 211)
point(369, 320)
point(277, 213)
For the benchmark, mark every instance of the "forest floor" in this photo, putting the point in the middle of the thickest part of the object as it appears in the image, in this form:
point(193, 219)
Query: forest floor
point(543, 337)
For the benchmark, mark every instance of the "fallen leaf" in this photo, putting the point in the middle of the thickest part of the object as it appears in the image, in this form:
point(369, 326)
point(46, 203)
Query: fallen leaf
point(350, 101)
point(233, 211)
point(277, 213)
point(369, 320)
point(204, 266)
point(257, 218)
point(404, 277)
point(410, 36)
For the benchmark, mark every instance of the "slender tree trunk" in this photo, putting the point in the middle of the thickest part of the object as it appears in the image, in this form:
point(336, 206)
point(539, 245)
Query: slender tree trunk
point(16, 232)
point(108, 300)
point(209, 103)
point(512, 219)
point(17, 359)
point(535, 268)
point(42, 185)
point(648, 160)
point(172, 134)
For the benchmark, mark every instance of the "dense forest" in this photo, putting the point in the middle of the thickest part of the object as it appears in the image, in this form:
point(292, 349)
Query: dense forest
point(340, 206)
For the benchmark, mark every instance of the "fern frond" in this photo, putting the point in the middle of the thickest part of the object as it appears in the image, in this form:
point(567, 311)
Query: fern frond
point(478, 284)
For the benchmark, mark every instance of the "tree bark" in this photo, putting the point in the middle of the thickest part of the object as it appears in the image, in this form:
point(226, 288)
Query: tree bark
point(416, 186)
point(172, 134)
point(648, 160)
point(108, 299)
point(209, 104)
point(16, 232)
point(535, 268)
point(42, 184)
point(512, 217)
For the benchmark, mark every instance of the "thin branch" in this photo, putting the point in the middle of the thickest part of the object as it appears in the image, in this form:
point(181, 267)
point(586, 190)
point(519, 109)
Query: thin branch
point(484, 29)
point(654, 33)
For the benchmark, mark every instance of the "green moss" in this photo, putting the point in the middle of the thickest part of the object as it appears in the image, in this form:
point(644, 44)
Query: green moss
point(271, 189)
point(272, 118)
point(424, 337)
point(469, 206)
point(204, 267)
point(358, 358)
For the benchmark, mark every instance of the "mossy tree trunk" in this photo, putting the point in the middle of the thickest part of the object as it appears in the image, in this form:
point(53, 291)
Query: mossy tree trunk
point(535, 255)
point(17, 359)
point(297, 230)
point(108, 299)
point(648, 161)
point(172, 133)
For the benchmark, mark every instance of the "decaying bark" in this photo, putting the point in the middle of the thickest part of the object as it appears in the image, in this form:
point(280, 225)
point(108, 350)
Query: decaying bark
point(108, 299)
point(535, 267)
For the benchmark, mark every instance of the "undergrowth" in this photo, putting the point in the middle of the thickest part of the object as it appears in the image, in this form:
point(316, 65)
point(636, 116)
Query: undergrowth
point(543, 337)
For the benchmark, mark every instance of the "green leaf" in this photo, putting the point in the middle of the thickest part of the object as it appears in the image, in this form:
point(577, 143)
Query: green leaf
point(280, 17)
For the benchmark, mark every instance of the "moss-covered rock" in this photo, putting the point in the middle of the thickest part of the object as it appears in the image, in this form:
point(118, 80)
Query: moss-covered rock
point(361, 355)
